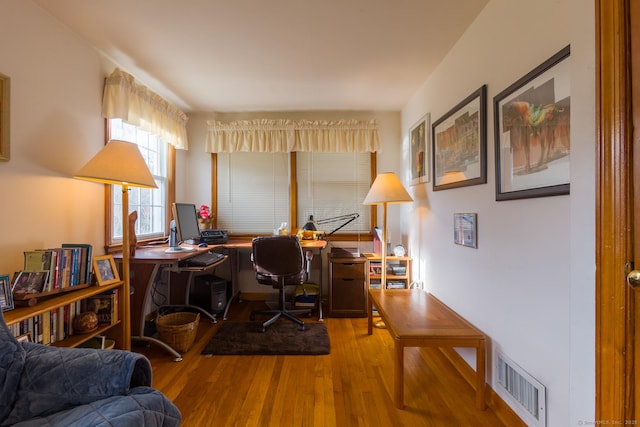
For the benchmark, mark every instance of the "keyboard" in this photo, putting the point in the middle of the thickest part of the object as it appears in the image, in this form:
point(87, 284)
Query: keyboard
point(203, 259)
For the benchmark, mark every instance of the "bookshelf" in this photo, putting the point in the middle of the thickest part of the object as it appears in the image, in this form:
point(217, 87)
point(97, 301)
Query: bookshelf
point(398, 271)
point(115, 330)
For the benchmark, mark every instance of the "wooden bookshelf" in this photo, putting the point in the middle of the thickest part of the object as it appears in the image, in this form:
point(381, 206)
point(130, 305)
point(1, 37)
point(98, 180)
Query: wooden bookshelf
point(395, 279)
point(115, 331)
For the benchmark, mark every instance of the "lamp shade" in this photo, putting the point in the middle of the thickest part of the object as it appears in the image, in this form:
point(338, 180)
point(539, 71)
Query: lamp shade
point(387, 188)
point(119, 162)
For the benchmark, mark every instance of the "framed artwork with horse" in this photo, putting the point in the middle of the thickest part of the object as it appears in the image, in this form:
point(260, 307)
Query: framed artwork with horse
point(532, 133)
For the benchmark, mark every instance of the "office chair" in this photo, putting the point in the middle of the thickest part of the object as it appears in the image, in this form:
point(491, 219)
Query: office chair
point(278, 262)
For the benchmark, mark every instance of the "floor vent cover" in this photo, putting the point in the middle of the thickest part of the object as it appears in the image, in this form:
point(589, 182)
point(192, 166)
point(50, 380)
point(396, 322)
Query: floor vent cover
point(526, 396)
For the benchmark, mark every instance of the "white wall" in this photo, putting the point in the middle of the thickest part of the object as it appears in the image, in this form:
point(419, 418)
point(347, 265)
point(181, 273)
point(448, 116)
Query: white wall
point(56, 126)
point(530, 283)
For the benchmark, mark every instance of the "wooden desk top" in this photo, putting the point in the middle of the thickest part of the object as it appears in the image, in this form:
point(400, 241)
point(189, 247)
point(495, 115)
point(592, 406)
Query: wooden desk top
point(159, 254)
point(410, 313)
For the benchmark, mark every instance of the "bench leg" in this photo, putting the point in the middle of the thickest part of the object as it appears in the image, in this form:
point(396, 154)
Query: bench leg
point(398, 375)
point(480, 376)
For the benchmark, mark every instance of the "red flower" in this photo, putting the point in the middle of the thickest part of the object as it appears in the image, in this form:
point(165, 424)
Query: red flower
point(205, 212)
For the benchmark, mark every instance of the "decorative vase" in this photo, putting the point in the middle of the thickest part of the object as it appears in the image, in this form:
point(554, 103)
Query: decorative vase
point(204, 223)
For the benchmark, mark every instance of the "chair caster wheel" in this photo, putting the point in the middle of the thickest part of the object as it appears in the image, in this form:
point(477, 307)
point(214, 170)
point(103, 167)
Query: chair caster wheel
point(301, 328)
point(264, 329)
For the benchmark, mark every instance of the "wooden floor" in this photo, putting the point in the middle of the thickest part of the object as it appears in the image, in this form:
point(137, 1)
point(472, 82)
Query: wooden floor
point(352, 386)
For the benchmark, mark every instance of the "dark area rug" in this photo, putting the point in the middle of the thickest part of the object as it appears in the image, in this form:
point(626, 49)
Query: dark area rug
point(247, 338)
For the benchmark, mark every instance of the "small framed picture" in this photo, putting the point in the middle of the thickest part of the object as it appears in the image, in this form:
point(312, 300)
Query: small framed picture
point(25, 337)
point(29, 283)
point(6, 298)
point(465, 232)
point(105, 269)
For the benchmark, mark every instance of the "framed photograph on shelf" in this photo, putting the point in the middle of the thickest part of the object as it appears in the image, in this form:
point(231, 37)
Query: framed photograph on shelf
point(29, 283)
point(419, 146)
point(105, 269)
point(531, 121)
point(465, 232)
point(6, 298)
point(4, 117)
point(25, 337)
point(459, 140)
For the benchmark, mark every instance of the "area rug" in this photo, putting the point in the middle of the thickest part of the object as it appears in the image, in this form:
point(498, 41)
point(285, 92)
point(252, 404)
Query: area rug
point(280, 338)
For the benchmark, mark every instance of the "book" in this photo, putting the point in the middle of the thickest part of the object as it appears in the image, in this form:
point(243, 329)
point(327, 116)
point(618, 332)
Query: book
point(105, 305)
point(41, 260)
point(84, 261)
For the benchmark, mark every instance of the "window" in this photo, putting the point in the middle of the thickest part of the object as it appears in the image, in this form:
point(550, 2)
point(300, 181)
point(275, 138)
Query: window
point(332, 185)
point(254, 191)
point(151, 204)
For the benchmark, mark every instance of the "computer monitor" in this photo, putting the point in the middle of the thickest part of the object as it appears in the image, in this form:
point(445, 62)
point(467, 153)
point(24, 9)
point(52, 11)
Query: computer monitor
point(186, 217)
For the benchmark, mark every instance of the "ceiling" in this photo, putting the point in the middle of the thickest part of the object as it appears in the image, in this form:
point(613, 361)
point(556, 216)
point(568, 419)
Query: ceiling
point(275, 55)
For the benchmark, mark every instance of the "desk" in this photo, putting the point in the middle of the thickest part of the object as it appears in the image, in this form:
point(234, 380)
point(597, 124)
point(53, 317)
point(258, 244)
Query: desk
point(150, 262)
point(416, 318)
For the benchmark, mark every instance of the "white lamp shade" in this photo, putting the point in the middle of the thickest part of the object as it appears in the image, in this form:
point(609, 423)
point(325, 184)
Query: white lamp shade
point(119, 162)
point(387, 188)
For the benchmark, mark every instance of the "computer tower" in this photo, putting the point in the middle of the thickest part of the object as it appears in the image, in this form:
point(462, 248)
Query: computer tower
point(209, 292)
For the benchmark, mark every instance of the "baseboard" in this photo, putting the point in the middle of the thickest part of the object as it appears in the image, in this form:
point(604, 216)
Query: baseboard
point(494, 401)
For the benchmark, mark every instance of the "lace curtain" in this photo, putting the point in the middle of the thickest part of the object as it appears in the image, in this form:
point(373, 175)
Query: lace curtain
point(272, 136)
point(137, 105)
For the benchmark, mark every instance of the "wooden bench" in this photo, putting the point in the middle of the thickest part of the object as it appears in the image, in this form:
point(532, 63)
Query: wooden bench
point(415, 318)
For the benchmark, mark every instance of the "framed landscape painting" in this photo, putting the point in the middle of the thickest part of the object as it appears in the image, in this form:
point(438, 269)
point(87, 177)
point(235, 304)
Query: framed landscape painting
point(460, 144)
point(532, 133)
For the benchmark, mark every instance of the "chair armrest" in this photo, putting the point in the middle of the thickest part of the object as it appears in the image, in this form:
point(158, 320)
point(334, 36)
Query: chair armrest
point(58, 378)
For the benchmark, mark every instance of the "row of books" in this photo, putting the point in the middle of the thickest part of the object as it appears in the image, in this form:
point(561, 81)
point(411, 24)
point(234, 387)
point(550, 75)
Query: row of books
point(46, 270)
point(57, 324)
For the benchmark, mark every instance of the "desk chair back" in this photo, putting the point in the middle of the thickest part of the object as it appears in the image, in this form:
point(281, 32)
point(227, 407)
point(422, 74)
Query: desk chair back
point(278, 260)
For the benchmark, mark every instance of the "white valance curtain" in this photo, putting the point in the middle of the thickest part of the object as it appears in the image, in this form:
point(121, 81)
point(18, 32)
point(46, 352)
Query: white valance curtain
point(277, 136)
point(137, 105)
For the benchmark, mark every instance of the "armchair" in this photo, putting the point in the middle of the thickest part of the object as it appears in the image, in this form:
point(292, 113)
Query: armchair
point(278, 262)
point(44, 385)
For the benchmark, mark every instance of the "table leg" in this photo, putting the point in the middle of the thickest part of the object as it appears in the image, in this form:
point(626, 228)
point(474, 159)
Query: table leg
point(480, 376)
point(370, 317)
point(398, 374)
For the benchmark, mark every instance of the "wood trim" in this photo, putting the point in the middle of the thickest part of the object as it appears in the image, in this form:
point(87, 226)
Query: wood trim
point(613, 176)
point(214, 189)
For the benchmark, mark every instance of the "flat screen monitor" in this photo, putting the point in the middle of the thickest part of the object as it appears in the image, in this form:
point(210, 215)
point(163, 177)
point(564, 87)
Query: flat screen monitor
point(186, 218)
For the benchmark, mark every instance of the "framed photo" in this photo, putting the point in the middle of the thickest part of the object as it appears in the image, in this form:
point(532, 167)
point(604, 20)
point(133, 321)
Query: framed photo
point(460, 144)
point(105, 269)
point(6, 298)
point(465, 230)
point(25, 337)
point(532, 132)
point(419, 146)
point(4, 117)
point(29, 283)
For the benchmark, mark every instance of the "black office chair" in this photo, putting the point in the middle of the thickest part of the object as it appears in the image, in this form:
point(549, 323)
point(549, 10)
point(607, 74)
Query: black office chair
point(278, 262)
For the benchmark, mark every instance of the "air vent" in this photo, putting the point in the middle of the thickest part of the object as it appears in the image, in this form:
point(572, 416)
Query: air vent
point(524, 394)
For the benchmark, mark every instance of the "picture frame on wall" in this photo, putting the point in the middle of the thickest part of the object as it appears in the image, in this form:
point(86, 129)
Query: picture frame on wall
point(459, 141)
point(5, 88)
point(532, 133)
point(465, 231)
point(104, 267)
point(419, 150)
point(6, 297)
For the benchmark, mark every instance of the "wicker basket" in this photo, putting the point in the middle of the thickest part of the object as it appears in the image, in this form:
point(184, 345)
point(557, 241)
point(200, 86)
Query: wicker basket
point(178, 329)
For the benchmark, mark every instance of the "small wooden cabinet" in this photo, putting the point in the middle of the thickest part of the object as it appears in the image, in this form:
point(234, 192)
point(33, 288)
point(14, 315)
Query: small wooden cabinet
point(347, 286)
point(398, 271)
point(115, 331)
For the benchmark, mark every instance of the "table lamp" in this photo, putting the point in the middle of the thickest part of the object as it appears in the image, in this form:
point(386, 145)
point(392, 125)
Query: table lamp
point(121, 163)
point(386, 189)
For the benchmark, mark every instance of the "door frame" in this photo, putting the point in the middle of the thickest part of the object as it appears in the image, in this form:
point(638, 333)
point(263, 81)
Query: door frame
point(614, 213)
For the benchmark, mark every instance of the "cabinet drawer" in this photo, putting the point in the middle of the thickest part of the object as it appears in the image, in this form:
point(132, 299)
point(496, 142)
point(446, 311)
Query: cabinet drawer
point(351, 270)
